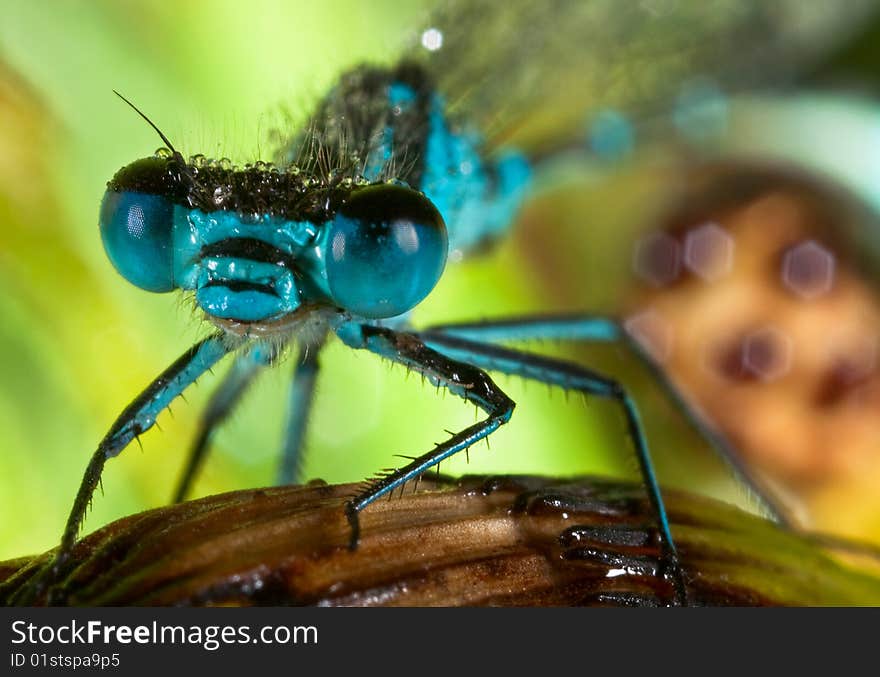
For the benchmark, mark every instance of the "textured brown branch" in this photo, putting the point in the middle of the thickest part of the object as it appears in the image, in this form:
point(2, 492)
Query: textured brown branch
point(477, 541)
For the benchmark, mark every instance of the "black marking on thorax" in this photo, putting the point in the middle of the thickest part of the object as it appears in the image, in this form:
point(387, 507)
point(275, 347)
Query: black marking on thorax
point(250, 249)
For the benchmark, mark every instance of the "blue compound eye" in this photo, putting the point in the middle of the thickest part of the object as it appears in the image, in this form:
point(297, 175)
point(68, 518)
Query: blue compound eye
point(137, 215)
point(136, 231)
point(385, 251)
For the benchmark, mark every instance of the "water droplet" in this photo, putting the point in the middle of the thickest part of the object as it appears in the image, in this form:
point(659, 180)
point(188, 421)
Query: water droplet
point(432, 39)
point(221, 193)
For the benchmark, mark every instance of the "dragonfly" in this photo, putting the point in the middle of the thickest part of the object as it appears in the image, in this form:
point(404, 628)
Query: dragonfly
point(399, 170)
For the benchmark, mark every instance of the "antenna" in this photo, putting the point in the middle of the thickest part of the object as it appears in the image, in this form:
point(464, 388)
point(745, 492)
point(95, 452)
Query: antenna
point(149, 122)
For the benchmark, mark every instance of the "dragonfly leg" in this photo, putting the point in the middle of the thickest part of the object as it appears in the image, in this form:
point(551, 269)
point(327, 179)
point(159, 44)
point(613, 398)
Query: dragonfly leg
point(302, 390)
point(467, 381)
point(603, 329)
point(224, 399)
point(569, 375)
point(136, 418)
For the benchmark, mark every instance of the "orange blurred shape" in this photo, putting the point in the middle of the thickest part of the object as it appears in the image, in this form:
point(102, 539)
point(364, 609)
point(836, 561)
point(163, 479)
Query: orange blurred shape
point(757, 294)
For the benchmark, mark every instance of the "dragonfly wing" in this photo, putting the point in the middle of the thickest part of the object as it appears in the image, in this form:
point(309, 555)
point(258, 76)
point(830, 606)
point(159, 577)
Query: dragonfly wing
point(551, 63)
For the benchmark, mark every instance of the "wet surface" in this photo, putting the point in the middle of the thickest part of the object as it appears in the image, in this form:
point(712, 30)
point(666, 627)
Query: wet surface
point(507, 540)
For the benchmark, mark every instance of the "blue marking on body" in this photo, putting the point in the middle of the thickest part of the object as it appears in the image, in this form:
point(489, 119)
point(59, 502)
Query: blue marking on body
point(455, 175)
point(401, 97)
point(194, 229)
point(247, 306)
point(514, 181)
point(611, 136)
point(457, 181)
point(701, 111)
point(351, 334)
point(379, 156)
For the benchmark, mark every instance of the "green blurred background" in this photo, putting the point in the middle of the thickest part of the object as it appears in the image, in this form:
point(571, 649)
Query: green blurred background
point(77, 342)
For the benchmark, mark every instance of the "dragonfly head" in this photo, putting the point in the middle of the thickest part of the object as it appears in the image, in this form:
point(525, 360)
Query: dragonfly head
point(257, 245)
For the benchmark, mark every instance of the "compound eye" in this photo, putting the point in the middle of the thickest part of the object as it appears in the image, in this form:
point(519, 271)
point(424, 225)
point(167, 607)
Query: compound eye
point(387, 248)
point(136, 231)
point(137, 216)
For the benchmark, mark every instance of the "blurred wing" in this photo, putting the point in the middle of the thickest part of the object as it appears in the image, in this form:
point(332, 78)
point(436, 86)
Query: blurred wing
point(549, 64)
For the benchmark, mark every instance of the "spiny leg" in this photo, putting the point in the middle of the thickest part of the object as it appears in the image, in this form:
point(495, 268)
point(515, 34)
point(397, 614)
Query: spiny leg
point(468, 382)
point(302, 390)
point(222, 402)
point(136, 418)
point(601, 329)
point(570, 375)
